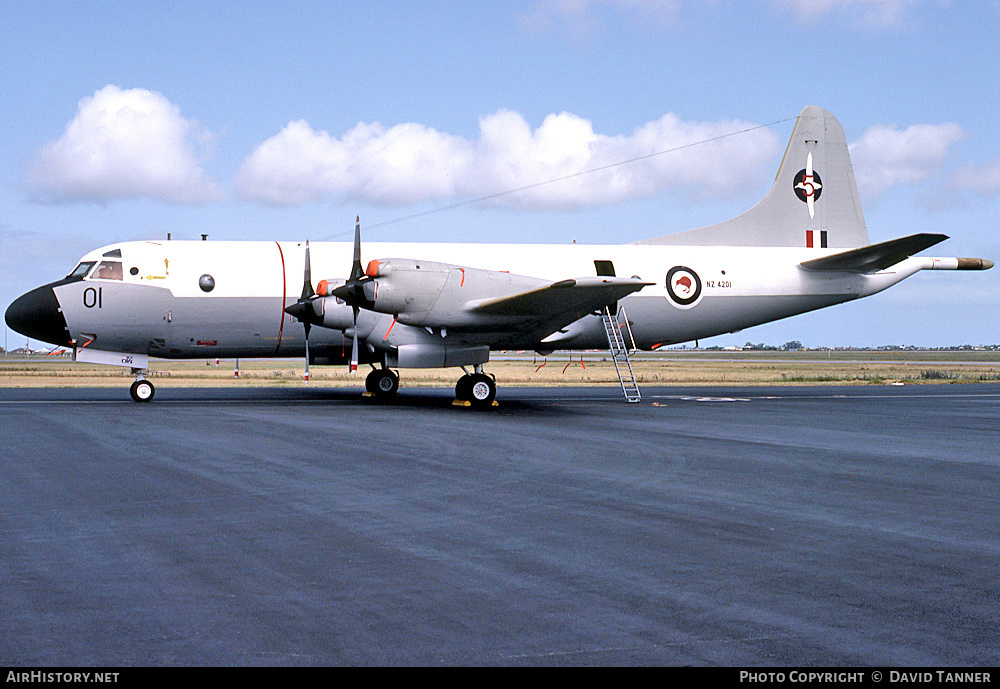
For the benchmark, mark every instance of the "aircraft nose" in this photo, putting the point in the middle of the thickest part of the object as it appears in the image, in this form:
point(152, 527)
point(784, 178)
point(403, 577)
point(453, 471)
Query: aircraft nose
point(37, 315)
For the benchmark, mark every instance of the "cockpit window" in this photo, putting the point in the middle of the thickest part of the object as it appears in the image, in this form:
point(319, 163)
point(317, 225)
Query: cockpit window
point(81, 270)
point(108, 270)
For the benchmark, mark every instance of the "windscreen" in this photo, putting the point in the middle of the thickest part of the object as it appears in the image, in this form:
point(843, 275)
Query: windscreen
point(81, 270)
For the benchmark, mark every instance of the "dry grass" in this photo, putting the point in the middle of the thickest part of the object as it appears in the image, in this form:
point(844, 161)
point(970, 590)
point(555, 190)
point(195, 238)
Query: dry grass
point(675, 367)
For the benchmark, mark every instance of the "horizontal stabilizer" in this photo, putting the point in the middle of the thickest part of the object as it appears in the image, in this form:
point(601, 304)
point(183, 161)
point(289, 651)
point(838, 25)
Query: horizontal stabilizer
point(567, 299)
point(876, 257)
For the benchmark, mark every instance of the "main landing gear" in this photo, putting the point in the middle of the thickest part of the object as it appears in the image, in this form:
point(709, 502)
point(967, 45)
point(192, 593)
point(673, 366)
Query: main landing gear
point(382, 383)
point(476, 390)
point(142, 390)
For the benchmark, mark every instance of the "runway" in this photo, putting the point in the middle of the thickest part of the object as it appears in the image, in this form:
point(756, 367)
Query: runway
point(791, 526)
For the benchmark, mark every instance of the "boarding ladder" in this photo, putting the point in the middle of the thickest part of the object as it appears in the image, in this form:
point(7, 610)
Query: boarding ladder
point(619, 352)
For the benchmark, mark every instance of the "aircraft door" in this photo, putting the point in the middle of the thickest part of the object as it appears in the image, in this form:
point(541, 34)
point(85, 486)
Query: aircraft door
point(606, 269)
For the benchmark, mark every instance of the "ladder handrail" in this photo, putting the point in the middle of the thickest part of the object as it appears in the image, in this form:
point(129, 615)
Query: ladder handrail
point(616, 343)
point(628, 327)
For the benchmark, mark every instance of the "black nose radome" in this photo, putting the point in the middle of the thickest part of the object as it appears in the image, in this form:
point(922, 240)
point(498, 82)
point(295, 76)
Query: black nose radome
point(37, 315)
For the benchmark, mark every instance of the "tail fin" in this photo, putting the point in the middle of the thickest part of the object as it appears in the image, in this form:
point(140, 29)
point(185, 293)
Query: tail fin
point(812, 203)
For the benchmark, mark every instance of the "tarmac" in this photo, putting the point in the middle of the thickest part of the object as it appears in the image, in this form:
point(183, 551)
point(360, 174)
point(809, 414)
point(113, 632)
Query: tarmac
point(785, 526)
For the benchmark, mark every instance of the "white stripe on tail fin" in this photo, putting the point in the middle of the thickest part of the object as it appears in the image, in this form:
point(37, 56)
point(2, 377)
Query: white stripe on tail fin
point(814, 197)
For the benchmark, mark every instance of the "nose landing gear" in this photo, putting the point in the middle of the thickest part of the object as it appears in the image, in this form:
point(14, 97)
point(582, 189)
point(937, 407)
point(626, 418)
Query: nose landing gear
point(142, 390)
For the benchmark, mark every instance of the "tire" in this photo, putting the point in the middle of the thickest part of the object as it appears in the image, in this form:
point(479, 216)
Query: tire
point(463, 389)
point(142, 391)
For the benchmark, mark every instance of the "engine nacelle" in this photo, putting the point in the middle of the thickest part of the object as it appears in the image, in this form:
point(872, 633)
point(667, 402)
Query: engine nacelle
point(332, 311)
point(407, 288)
point(433, 294)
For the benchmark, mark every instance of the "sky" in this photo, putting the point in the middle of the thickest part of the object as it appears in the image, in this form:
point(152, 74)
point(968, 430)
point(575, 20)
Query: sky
point(448, 121)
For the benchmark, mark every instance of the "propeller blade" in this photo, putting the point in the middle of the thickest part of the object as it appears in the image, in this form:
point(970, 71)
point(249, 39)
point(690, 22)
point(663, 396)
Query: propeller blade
point(354, 347)
point(357, 271)
point(307, 288)
point(354, 353)
point(306, 324)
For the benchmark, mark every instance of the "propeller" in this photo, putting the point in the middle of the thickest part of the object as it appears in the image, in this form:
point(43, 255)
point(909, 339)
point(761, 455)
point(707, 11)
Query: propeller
point(303, 308)
point(357, 291)
point(354, 291)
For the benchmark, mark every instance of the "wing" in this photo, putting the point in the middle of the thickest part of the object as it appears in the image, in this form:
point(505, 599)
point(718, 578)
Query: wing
point(558, 304)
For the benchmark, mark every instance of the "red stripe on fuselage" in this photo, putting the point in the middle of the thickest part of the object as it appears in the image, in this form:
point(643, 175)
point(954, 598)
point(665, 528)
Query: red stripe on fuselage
point(284, 296)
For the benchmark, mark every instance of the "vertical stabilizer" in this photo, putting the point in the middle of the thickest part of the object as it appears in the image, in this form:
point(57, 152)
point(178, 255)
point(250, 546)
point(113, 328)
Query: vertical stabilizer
point(813, 202)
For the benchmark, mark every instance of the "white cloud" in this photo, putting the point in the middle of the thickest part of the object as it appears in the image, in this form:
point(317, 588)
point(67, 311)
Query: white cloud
point(581, 18)
point(868, 14)
point(884, 156)
point(984, 181)
point(406, 164)
point(124, 144)
point(410, 163)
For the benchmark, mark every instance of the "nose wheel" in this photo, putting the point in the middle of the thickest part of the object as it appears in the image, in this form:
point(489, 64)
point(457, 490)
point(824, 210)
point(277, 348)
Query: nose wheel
point(142, 390)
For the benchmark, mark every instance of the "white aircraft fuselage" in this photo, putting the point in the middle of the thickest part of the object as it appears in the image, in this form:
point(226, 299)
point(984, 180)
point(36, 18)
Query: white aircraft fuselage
point(155, 306)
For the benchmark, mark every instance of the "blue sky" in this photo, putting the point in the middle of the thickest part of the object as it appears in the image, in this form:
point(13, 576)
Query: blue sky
point(284, 120)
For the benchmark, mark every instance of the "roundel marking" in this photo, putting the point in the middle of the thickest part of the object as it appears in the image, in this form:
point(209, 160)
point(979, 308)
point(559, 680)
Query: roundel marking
point(807, 186)
point(683, 285)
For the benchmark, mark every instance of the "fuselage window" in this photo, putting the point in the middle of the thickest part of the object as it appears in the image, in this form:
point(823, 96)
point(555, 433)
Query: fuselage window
point(108, 270)
point(81, 270)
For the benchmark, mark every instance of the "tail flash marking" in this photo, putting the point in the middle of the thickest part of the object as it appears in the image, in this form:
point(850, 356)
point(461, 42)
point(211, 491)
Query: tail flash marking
point(811, 239)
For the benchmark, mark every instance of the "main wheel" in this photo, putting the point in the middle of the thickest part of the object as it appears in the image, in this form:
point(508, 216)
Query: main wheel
point(142, 391)
point(382, 382)
point(482, 390)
